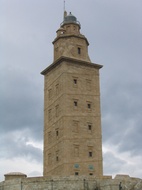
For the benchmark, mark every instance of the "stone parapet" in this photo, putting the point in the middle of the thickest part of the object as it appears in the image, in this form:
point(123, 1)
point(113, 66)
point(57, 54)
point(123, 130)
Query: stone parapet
point(120, 182)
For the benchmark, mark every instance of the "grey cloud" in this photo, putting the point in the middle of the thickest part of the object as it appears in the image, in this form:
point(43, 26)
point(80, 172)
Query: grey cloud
point(112, 164)
point(14, 146)
point(21, 104)
point(122, 116)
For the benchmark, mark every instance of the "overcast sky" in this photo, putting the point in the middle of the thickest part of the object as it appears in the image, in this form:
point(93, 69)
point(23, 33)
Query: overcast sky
point(114, 30)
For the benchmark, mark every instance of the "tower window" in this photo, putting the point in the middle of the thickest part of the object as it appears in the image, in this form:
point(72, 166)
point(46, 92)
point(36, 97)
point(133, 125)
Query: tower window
point(79, 50)
point(89, 105)
point(76, 173)
point(90, 154)
point(89, 127)
point(75, 103)
point(57, 133)
point(57, 156)
point(50, 93)
point(75, 81)
point(57, 89)
point(90, 173)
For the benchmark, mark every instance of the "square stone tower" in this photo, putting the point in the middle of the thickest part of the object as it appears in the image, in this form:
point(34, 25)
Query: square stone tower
point(72, 117)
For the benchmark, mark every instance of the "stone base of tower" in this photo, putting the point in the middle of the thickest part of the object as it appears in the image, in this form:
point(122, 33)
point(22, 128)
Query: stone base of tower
point(120, 182)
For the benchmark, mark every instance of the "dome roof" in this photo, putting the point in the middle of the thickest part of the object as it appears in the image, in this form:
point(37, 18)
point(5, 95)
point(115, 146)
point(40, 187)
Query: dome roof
point(15, 173)
point(70, 19)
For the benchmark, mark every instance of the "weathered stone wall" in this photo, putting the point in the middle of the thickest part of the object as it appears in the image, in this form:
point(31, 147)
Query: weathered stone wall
point(73, 183)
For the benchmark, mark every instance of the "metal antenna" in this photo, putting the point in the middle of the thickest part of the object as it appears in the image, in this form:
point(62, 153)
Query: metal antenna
point(64, 5)
point(65, 13)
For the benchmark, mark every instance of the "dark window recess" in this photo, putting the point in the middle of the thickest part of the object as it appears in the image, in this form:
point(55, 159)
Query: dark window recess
point(57, 158)
point(89, 127)
point(79, 50)
point(57, 133)
point(76, 173)
point(90, 173)
point(75, 81)
point(75, 103)
point(89, 106)
point(90, 154)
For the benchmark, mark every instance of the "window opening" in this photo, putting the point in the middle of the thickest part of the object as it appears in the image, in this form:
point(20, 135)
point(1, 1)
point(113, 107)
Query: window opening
point(79, 50)
point(75, 103)
point(89, 127)
point(90, 154)
point(76, 173)
point(57, 89)
point(57, 133)
point(90, 173)
point(89, 106)
point(57, 156)
point(75, 81)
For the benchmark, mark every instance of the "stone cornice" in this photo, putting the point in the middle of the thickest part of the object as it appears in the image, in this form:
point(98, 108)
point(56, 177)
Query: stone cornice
point(71, 35)
point(71, 61)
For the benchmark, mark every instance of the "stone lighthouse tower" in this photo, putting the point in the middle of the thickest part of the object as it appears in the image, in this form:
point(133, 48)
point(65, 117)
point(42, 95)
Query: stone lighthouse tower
point(72, 117)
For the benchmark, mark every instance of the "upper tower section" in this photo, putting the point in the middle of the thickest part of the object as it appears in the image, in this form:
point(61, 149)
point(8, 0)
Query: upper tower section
point(69, 41)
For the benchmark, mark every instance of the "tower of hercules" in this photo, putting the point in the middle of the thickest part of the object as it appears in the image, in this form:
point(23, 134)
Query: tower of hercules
point(72, 118)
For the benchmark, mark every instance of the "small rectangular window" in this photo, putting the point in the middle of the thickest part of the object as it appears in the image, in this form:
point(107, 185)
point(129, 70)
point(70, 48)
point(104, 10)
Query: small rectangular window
point(79, 50)
point(57, 89)
point(90, 173)
point(89, 106)
point(75, 81)
point(89, 127)
point(57, 133)
point(57, 156)
point(75, 103)
point(90, 154)
point(76, 173)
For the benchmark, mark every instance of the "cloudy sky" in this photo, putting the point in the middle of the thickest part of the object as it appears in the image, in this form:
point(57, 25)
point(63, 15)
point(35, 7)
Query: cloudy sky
point(114, 30)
